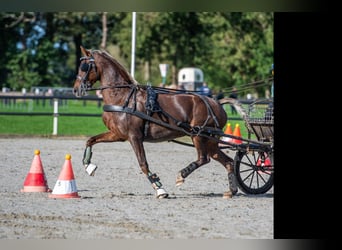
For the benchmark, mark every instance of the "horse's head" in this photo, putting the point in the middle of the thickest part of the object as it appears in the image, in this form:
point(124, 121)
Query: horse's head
point(87, 73)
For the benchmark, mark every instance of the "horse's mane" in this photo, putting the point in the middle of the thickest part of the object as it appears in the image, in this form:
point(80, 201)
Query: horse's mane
point(121, 69)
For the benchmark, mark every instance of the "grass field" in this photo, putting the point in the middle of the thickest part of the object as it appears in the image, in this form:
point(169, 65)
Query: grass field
point(67, 125)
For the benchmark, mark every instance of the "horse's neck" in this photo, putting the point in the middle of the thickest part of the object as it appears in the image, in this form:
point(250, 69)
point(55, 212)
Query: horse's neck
point(116, 84)
point(116, 92)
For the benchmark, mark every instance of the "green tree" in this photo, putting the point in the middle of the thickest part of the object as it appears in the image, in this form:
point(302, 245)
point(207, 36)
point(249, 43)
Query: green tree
point(243, 48)
point(43, 48)
point(22, 74)
point(12, 33)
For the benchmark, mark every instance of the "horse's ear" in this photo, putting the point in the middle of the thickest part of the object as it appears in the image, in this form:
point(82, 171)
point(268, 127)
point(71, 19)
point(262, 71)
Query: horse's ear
point(84, 51)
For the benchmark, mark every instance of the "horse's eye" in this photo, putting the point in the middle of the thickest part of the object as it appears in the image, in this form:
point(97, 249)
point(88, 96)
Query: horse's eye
point(84, 67)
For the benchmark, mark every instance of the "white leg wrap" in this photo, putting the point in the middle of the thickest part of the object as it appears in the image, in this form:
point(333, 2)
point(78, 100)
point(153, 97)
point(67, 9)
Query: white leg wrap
point(90, 169)
point(161, 193)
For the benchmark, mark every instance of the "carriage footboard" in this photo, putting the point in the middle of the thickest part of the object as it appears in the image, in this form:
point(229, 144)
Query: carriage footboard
point(262, 130)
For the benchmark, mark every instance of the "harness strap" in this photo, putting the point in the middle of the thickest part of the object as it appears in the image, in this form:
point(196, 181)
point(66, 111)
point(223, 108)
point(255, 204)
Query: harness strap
point(116, 108)
point(208, 132)
point(132, 93)
point(151, 105)
point(210, 110)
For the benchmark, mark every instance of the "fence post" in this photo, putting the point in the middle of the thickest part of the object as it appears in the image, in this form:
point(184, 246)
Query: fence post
point(55, 116)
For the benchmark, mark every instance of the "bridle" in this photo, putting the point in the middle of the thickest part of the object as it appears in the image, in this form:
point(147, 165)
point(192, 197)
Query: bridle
point(85, 83)
point(86, 67)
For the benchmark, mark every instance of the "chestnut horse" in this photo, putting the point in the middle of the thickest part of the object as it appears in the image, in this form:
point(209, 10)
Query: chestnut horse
point(138, 113)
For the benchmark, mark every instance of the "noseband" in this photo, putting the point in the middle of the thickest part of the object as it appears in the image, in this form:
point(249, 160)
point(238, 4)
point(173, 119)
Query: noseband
point(86, 67)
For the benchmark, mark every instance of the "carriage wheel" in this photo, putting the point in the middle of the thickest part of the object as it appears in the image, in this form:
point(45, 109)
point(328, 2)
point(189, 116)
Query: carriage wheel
point(254, 171)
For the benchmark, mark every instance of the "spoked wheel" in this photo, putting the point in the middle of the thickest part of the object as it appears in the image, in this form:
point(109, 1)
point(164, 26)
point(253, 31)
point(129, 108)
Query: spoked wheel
point(254, 171)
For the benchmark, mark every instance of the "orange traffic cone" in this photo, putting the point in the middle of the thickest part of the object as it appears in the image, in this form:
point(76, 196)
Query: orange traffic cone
point(35, 180)
point(237, 132)
point(65, 186)
point(228, 131)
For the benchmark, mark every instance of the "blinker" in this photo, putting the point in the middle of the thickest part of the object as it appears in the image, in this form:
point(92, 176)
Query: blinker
point(84, 67)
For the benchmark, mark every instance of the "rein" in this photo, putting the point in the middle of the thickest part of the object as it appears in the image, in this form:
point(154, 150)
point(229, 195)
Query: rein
point(109, 87)
point(86, 86)
point(161, 90)
point(248, 86)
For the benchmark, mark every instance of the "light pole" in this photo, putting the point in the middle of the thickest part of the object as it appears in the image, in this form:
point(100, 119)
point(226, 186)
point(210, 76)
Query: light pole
point(133, 43)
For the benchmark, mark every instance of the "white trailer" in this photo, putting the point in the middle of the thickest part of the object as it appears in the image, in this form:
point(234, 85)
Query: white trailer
point(191, 78)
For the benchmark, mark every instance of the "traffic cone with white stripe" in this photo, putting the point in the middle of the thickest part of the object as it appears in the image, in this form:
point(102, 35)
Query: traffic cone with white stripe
point(35, 180)
point(65, 186)
point(228, 131)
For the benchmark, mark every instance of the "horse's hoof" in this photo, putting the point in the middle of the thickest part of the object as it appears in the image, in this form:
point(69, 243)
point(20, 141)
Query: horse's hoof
point(234, 191)
point(179, 180)
point(90, 169)
point(227, 195)
point(161, 193)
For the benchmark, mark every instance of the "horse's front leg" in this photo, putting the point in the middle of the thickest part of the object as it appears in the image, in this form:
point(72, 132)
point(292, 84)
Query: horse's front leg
point(104, 137)
point(139, 150)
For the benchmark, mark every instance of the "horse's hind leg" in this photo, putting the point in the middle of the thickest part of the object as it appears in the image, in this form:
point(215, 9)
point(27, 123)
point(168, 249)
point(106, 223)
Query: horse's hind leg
point(228, 163)
point(205, 150)
point(202, 159)
point(104, 137)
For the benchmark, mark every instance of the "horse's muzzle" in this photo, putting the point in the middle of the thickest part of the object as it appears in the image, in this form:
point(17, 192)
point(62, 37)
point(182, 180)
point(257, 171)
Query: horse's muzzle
point(76, 92)
point(81, 90)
